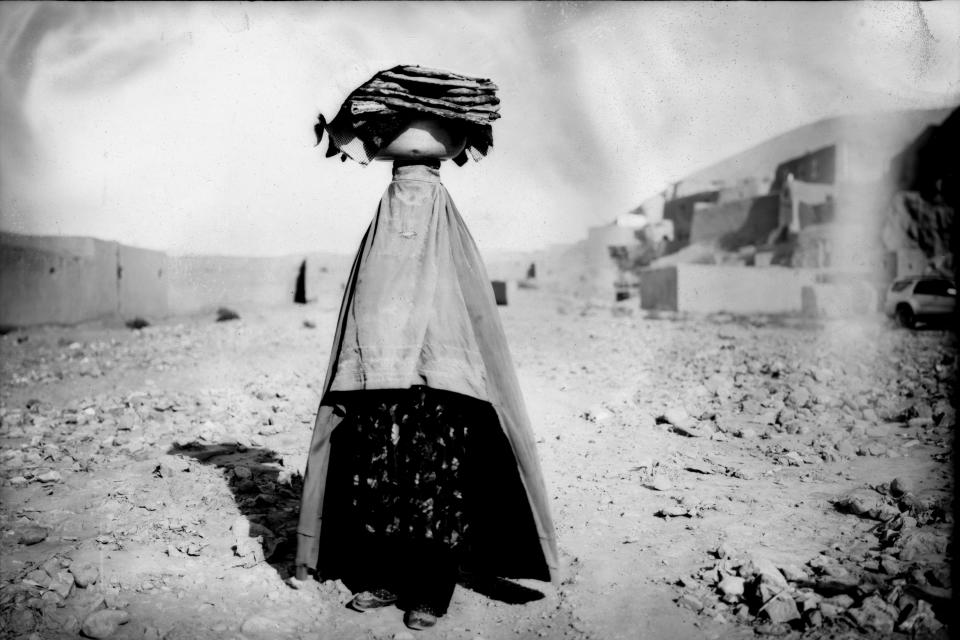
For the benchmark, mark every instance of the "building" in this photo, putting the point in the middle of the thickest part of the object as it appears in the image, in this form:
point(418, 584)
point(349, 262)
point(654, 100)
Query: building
point(813, 198)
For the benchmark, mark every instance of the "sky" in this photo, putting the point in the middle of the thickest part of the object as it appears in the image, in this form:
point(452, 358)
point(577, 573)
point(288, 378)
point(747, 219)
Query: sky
point(189, 127)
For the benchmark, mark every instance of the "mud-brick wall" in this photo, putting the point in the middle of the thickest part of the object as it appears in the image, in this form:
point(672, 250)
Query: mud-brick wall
point(199, 283)
point(141, 282)
point(64, 280)
point(700, 288)
point(738, 223)
point(57, 280)
point(326, 278)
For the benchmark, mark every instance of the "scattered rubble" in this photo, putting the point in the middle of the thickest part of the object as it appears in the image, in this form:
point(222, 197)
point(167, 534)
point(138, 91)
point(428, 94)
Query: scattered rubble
point(898, 584)
point(103, 623)
point(103, 463)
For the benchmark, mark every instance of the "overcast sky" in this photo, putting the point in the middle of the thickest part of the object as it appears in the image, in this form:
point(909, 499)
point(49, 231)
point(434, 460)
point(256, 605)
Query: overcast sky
point(188, 128)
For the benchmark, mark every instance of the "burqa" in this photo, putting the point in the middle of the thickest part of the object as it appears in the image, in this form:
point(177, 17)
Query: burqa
point(418, 310)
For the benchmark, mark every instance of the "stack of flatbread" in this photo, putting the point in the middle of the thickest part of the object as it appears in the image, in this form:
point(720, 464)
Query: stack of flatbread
point(377, 111)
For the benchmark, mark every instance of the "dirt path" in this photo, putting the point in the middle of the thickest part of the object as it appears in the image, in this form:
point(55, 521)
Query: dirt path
point(683, 455)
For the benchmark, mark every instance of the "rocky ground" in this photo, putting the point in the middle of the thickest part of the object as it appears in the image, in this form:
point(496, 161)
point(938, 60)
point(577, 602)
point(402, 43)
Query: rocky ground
point(712, 477)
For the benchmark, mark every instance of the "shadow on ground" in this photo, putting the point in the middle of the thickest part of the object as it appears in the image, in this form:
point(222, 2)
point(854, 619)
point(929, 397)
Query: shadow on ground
point(499, 589)
point(265, 493)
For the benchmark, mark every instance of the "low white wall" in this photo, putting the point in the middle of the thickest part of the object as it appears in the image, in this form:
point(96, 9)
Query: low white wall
point(700, 288)
point(737, 289)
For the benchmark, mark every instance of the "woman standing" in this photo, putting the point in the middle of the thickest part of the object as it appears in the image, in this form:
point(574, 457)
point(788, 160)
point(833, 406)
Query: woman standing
point(422, 460)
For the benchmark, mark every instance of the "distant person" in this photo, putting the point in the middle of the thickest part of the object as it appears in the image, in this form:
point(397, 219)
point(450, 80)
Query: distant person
point(422, 461)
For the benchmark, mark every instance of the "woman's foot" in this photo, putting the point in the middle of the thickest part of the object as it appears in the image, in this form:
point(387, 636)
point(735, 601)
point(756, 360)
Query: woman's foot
point(419, 618)
point(372, 599)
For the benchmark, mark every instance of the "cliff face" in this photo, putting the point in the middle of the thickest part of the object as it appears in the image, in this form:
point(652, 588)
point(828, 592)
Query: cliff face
point(913, 222)
point(922, 214)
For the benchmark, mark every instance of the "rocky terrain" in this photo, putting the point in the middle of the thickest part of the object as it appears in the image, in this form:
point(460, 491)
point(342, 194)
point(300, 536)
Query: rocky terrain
point(714, 477)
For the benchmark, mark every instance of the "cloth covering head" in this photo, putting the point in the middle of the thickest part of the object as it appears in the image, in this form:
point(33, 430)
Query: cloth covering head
point(377, 111)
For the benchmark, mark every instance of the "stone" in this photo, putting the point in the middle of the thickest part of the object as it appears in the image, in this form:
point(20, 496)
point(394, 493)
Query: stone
point(259, 626)
point(691, 602)
point(113, 600)
point(676, 416)
point(38, 577)
point(32, 535)
point(152, 633)
point(843, 601)
point(21, 621)
point(920, 621)
point(815, 619)
point(764, 571)
point(62, 584)
point(905, 603)
point(50, 476)
point(47, 600)
point(103, 623)
point(185, 631)
point(920, 410)
point(875, 449)
point(808, 601)
point(846, 449)
point(693, 429)
point(799, 397)
point(890, 565)
point(821, 374)
point(242, 472)
point(874, 615)
point(793, 458)
point(661, 483)
point(940, 577)
point(52, 566)
point(83, 603)
point(85, 574)
point(778, 607)
point(867, 503)
point(732, 588)
point(793, 573)
point(771, 417)
point(63, 619)
point(719, 385)
point(819, 561)
point(746, 433)
point(899, 487)
point(751, 407)
point(837, 572)
point(921, 544)
point(597, 414)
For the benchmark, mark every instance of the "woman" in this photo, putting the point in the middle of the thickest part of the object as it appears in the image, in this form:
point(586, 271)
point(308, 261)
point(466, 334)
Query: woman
point(422, 460)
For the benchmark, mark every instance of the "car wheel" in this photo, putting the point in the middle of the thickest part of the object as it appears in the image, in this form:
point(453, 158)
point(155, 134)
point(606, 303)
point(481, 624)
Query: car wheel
point(905, 317)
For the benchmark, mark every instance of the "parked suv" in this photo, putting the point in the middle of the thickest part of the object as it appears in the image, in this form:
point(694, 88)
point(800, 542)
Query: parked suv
point(921, 298)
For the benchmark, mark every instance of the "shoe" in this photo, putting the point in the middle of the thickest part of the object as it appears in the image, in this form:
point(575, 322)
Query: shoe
point(372, 599)
point(420, 618)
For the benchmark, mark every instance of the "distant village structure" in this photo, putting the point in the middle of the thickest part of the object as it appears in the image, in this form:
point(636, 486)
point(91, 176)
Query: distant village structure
point(847, 203)
point(68, 280)
point(817, 220)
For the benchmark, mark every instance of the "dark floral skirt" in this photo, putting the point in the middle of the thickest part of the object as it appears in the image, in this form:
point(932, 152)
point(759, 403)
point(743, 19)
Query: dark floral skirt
point(406, 452)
